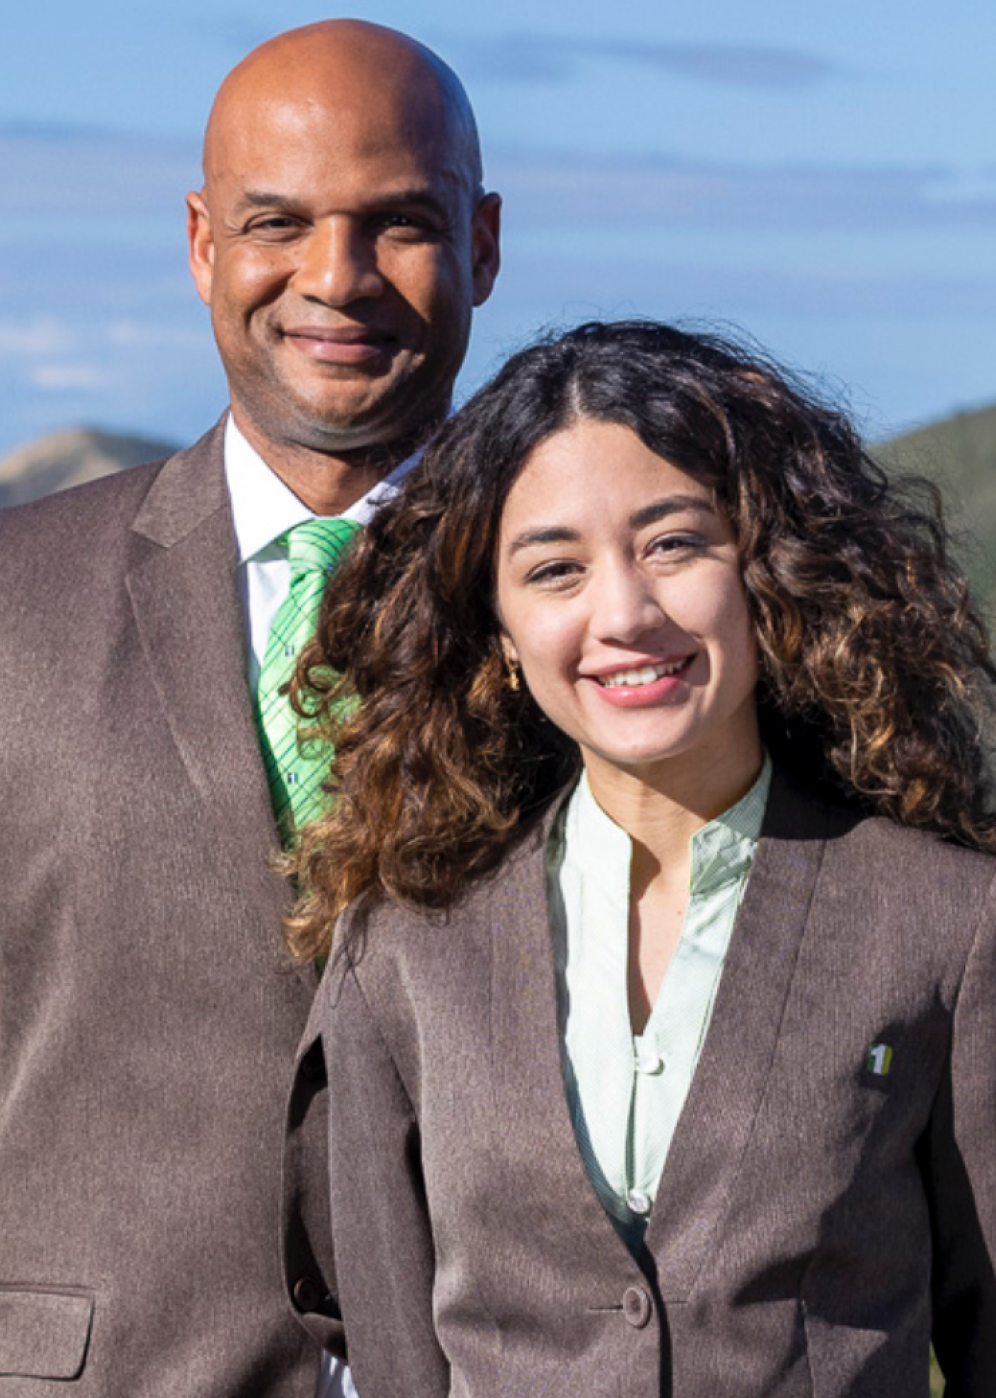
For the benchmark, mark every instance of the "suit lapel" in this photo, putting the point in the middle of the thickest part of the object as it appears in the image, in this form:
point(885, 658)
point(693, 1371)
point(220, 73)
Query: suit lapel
point(728, 1086)
point(534, 1119)
point(184, 592)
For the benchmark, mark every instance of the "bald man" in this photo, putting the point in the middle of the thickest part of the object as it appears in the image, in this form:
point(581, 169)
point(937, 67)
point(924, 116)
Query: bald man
point(148, 1014)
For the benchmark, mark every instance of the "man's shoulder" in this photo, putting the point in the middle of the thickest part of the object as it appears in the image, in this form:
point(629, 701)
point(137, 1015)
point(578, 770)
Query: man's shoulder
point(105, 498)
point(96, 511)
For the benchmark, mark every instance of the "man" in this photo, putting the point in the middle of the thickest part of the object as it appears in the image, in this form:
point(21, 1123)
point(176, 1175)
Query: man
point(149, 1017)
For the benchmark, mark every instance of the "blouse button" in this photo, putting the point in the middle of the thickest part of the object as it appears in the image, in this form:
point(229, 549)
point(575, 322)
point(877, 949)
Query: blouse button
point(639, 1202)
point(649, 1062)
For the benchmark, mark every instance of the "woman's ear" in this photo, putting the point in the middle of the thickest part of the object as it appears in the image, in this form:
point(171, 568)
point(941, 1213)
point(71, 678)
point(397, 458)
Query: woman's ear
point(511, 658)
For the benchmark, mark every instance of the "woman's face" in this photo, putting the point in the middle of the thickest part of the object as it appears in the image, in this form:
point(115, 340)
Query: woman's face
point(619, 592)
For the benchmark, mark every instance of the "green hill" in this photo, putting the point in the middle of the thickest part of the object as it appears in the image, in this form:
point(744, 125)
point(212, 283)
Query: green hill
point(959, 455)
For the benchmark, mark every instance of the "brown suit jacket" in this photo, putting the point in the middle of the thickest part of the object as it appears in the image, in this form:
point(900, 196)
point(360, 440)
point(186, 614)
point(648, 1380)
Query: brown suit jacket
point(815, 1219)
point(148, 1017)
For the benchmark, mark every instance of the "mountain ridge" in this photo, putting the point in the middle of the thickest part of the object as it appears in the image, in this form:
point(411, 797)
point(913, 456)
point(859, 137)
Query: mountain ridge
point(957, 452)
point(70, 457)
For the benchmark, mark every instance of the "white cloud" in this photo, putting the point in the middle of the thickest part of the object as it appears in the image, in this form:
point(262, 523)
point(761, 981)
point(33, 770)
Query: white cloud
point(59, 377)
point(36, 337)
point(548, 58)
point(94, 173)
point(575, 190)
point(53, 355)
point(138, 335)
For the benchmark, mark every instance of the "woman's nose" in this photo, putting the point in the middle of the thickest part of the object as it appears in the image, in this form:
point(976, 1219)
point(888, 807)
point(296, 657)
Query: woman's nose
point(625, 604)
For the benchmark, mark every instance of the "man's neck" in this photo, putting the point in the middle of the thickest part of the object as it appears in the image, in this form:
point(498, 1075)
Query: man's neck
point(330, 482)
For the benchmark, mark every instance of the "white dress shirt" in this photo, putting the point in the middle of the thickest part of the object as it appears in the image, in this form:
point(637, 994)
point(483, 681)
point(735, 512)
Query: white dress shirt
point(263, 508)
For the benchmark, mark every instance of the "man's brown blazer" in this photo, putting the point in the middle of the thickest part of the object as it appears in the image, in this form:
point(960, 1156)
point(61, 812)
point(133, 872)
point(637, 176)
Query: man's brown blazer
point(829, 1196)
point(148, 1017)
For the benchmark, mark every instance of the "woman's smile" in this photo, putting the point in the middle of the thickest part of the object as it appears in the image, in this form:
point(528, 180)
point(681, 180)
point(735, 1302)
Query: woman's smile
point(642, 682)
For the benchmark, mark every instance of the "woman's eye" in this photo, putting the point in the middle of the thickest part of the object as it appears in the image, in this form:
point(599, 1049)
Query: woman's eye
point(559, 572)
point(677, 543)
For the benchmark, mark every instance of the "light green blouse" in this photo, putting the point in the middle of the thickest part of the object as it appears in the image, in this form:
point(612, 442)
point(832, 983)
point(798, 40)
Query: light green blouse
point(626, 1092)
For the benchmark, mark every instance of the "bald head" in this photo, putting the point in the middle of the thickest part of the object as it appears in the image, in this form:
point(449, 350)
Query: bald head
point(341, 238)
point(351, 57)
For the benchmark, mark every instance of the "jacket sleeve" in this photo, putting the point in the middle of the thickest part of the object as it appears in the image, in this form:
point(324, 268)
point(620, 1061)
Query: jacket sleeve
point(960, 1170)
point(380, 1218)
point(306, 1235)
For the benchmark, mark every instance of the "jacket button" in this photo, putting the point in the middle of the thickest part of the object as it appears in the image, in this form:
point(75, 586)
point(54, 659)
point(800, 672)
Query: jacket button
point(307, 1294)
point(637, 1307)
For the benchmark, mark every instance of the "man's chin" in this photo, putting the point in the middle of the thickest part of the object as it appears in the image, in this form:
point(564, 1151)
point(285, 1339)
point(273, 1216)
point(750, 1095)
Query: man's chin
point(352, 434)
point(365, 422)
point(354, 414)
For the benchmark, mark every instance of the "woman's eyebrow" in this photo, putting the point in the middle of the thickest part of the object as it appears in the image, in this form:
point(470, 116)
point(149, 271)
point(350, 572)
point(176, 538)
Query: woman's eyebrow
point(545, 534)
point(671, 505)
point(649, 514)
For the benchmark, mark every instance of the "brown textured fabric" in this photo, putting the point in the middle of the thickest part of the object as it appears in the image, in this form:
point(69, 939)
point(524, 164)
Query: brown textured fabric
point(148, 1017)
point(808, 1206)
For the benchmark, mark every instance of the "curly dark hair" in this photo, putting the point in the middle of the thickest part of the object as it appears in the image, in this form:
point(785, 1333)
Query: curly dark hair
point(875, 668)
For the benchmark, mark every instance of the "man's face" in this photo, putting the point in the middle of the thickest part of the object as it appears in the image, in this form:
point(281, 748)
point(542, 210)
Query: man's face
point(341, 248)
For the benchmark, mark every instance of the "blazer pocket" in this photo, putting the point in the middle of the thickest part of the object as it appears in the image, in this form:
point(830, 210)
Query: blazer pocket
point(44, 1331)
point(850, 1361)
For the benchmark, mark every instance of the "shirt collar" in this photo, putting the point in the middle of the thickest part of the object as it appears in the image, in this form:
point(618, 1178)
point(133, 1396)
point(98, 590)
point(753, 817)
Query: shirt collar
point(722, 851)
point(263, 507)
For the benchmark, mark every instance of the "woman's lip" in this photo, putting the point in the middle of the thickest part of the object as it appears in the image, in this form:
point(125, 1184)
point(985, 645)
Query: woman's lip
point(630, 666)
point(636, 696)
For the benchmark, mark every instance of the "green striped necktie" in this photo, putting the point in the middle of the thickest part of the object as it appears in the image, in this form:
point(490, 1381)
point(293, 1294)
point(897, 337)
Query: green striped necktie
point(296, 773)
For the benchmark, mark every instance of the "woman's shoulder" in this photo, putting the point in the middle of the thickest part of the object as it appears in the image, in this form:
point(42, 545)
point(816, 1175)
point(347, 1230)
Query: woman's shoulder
point(880, 908)
point(903, 863)
point(379, 938)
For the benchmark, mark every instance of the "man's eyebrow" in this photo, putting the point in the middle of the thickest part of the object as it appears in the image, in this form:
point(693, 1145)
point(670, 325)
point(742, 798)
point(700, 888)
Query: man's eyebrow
point(389, 199)
point(263, 199)
point(415, 195)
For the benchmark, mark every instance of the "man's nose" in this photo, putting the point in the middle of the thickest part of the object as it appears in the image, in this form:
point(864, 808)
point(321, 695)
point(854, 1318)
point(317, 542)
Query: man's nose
point(338, 264)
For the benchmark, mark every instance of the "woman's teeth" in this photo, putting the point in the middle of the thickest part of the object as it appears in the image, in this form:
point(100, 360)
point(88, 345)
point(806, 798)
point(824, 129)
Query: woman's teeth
point(646, 674)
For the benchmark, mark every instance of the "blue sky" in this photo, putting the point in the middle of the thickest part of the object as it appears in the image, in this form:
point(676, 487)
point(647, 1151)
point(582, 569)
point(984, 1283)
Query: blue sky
point(823, 176)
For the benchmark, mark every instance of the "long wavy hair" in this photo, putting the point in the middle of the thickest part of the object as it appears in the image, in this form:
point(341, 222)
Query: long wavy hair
point(875, 669)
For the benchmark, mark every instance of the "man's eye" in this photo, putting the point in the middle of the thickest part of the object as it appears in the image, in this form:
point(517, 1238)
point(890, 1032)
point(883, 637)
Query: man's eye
point(273, 225)
point(404, 225)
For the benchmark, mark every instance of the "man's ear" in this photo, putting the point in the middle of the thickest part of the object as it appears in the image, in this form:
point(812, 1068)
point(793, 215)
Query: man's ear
point(200, 245)
point(485, 251)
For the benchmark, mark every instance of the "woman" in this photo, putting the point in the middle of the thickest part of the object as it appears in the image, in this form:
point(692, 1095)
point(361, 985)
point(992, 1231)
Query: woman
point(661, 1015)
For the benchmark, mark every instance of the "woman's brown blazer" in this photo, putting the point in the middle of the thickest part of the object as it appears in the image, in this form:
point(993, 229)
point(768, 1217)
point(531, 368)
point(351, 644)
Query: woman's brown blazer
point(818, 1218)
